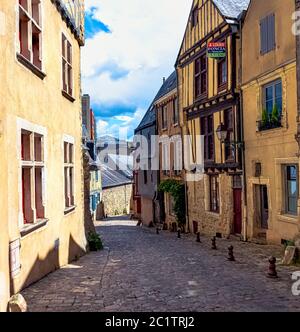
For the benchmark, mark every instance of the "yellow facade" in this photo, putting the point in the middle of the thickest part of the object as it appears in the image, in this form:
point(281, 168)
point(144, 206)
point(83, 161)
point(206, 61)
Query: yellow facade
point(268, 152)
point(212, 26)
point(38, 105)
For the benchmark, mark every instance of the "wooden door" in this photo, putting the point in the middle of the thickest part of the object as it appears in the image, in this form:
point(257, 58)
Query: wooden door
point(237, 201)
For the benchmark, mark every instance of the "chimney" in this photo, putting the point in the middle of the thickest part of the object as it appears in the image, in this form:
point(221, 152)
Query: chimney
point(164, 80)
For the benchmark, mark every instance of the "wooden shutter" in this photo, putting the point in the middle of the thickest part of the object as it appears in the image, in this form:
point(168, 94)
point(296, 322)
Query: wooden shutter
point(267, 34)
point(271, 32)
point(263, 35)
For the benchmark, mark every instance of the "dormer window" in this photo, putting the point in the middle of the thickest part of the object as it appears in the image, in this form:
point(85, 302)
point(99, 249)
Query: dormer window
point(195, 16)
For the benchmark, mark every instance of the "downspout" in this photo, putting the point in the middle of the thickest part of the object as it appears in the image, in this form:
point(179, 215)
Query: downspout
point(245, 221)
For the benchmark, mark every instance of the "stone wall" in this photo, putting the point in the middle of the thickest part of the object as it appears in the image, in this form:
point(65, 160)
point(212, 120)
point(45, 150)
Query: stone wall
point(117, 200)
point(210, 223)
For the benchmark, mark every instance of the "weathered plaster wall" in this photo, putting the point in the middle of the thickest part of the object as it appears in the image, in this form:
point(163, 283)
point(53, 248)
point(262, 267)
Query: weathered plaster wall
point(117, 199)
point(40, 102)
point(277, 147)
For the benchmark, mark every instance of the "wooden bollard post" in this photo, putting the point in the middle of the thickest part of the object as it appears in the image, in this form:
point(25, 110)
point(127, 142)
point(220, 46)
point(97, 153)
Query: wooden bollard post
point(213, 243)
point(230, 254)
point(157, 230)
point(179, 234)
point(272, 273)
point(198, 237)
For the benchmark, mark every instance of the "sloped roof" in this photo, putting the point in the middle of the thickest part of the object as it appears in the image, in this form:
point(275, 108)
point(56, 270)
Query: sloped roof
point(169, 85)
point(231, 8)
point(117, 171)
point(150, 116)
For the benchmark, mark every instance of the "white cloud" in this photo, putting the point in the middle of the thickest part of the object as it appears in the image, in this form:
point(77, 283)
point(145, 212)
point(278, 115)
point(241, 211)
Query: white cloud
point(143, 44)
point(102, 127)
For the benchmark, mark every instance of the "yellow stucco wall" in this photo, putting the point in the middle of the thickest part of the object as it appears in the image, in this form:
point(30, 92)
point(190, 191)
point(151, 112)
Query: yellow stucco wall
point(277, 147)
point(25, 97)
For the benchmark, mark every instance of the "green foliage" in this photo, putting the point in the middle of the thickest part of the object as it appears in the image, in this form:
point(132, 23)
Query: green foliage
point(177, 190)
point(275, 116)
point(125, 211)
point(265, 118)
point(94, 242)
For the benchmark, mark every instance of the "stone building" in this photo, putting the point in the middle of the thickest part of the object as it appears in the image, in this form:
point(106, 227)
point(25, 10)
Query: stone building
point(270, 125)
point(148, 201)
point(209, 105)
point(170, 151)
point(117, 185)
point(42, 223)
point(89, 133)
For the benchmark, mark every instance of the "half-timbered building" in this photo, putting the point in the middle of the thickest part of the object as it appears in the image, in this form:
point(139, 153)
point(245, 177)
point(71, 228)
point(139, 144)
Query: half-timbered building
point(209, 105)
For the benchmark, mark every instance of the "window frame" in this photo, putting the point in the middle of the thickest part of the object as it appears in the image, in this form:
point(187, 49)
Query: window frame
point(200, 74)
point(67, 75)
point(175, 112)
point(164, 117)
point(214, 195)
point(69, 165)
point(273, 85)
point(222, 85)
point(195, 17)
point(34, 27)
point(209, 135)
point(286, 189)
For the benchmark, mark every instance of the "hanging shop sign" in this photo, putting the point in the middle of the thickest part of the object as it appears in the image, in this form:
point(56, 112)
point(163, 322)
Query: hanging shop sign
point(216, 50)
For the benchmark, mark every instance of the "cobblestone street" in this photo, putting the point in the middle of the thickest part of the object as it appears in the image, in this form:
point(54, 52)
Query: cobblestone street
point(142, 271)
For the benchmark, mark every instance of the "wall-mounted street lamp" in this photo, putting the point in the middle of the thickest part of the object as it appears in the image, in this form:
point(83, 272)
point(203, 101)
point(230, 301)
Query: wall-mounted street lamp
point(222, 134)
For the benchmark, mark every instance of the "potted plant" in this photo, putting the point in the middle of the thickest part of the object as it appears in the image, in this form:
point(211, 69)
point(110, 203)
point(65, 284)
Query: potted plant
point(275, 117)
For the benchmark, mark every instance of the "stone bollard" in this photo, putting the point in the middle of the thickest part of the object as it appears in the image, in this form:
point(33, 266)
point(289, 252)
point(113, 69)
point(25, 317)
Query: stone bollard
point(198, 237)
point(230, 254)
point(272, 273)
point(213, 243)
point(157, 230)
point(179, 234)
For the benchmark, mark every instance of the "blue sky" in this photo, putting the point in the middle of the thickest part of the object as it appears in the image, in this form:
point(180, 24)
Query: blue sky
point(130, 46)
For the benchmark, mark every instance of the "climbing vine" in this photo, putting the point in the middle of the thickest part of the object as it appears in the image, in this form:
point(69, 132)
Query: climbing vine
point(177, 190)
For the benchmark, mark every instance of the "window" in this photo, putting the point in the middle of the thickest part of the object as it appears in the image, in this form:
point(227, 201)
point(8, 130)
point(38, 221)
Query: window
point(228, 124)
point(67, 71)
point(195, 17)
point(267, 34)
point(214, 193)
point(272, 106)
point(222, 72)
point(166, 158)
point(273, 96)
point(201, 76)
point(69, 174)
point(291, 189)
point(207, 130)
point(30, 31)
point(175, 112)
point(164, 117)
point(32, 160)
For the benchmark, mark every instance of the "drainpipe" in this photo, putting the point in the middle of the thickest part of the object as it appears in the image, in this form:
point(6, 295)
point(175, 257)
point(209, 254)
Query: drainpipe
point(245, 221)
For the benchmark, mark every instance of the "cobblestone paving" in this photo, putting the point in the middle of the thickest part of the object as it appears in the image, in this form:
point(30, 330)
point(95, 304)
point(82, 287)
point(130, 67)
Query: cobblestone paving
point(142, 271)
